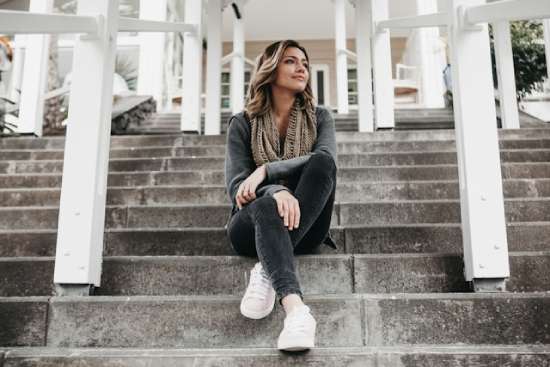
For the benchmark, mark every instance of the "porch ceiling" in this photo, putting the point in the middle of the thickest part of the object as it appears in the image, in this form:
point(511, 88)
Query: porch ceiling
point(300, 19)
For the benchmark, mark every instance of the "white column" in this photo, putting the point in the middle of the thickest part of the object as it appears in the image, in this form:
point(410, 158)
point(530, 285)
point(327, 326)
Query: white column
point(382, 68)
point(151, 52)
point(237, 62)
point(364, 65)
point(546, 23)
point(86, 157)
point(17, 68)
point(432, 59)
point(35, 72)
point(341, 56)
point(506, 75)
point(192, 69)
point(480, 181)
point(213, 69)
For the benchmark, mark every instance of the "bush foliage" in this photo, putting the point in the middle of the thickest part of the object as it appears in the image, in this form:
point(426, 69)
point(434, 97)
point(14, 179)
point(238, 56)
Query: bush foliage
point(529, 55)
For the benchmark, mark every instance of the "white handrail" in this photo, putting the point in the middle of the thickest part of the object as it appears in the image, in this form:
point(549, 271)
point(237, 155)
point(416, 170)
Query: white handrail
point(57, 92)
point(22, 22)
point(419, 21)
point(140, 25)
point(507, 10)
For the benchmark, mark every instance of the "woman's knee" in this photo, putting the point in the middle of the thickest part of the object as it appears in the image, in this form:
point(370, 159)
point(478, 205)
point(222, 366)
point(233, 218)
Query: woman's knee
point(323, 163)
point(263, 207)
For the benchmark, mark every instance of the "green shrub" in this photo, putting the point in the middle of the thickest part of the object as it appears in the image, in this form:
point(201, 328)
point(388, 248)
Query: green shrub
point(529, 55)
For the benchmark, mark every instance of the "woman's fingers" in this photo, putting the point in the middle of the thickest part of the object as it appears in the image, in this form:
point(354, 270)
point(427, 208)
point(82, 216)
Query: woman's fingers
point(285, 213)
point(238, 196)
point(250, 192)
point(280, 207)
point(291, 213)
point(296, 214)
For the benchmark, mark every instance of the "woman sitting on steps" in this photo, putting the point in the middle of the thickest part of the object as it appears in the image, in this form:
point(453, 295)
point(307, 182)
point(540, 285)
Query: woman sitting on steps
point(280, 174)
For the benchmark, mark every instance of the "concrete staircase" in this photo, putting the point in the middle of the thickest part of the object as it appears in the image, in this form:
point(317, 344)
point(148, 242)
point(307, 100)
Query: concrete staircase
point(393, 295)
point(405, 119)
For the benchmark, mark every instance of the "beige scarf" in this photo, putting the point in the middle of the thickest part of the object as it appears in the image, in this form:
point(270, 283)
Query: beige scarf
point(300, 136)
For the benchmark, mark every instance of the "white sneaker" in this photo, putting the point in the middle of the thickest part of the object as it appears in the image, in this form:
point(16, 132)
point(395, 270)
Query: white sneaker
point(299, 330)
point(259, 299)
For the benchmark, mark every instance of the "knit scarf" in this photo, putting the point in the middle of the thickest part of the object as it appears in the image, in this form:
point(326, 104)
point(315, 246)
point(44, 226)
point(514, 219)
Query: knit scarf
point(300, 136)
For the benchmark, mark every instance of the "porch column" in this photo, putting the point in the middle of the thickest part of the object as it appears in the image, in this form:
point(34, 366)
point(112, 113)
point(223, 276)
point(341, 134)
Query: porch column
point(382, 68)
point(506, 75)
point(432, 60)
point(192, 69)
point(35, 73)
point(151, 52)
point(341, 56)
point(237, 61)
point(17, 67)
point(364, 65)
point(213, 68)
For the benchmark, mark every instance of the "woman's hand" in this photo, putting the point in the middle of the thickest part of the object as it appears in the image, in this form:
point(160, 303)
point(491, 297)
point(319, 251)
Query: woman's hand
point(289, 209)
point(247, 189)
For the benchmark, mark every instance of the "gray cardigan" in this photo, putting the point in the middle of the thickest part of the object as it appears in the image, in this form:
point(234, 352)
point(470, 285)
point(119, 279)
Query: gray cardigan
point(239, 162)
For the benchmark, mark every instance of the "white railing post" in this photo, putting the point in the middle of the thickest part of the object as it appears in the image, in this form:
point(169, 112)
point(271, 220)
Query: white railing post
point(237, 61)
point(192, 69)
point(341, 56)
point(86, 158)
point(432, 87)
point(151, 52)
point(481, 197)
point(506, 75)
point(35, 72)
point(364, 29)
point(546, 23)
point(382, 68)
point(212, 122)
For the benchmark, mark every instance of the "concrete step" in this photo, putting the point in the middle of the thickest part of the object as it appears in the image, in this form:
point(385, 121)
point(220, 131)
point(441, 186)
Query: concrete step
point(216, 177)
point(318, 274)
point(217, 162)
point(349, 147)
point(413, 238)
point(192, 140)
point(183, 216)
point(215, 321)
point(384, 213)
point(402, 356)
point(357, 191)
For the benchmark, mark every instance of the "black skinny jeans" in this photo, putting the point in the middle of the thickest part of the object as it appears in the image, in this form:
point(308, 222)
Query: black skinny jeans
point(257, 230)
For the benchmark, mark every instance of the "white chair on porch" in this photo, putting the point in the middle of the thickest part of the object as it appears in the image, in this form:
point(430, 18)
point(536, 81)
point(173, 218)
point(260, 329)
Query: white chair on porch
point(406, 84)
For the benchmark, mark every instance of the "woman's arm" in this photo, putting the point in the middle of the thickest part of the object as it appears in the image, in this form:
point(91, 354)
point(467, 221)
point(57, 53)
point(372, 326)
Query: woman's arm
point(239, 163)
point(325, 143)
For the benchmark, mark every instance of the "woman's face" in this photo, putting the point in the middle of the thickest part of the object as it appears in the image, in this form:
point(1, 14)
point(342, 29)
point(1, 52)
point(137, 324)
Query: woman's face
point(292, 71)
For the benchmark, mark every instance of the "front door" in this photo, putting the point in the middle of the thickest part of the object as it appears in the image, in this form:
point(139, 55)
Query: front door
point(320, 84)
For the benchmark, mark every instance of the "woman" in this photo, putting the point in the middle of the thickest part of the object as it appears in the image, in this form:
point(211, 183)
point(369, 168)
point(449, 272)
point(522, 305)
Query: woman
point(280, 174)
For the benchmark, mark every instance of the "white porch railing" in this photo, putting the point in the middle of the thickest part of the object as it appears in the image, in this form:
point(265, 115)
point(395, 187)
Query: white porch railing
point(481, 197)
point(86, 158)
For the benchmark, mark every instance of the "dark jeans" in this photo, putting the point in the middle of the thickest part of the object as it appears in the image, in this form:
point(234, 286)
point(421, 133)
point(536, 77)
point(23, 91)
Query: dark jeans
point(257, 230)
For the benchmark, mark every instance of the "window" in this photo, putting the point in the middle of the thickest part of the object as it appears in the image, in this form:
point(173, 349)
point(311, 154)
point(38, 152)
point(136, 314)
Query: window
point(352, 85)
point(226, 88)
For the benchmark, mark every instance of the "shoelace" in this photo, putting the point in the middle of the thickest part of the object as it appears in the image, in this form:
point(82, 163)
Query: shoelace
point(297, 321)
point(260, 284)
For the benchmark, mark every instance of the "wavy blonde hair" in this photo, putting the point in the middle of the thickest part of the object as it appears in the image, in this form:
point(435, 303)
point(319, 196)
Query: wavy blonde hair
point(258, 100)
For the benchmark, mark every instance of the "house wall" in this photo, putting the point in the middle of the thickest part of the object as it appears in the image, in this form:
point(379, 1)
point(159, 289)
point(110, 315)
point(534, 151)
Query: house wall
point(320, 52)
